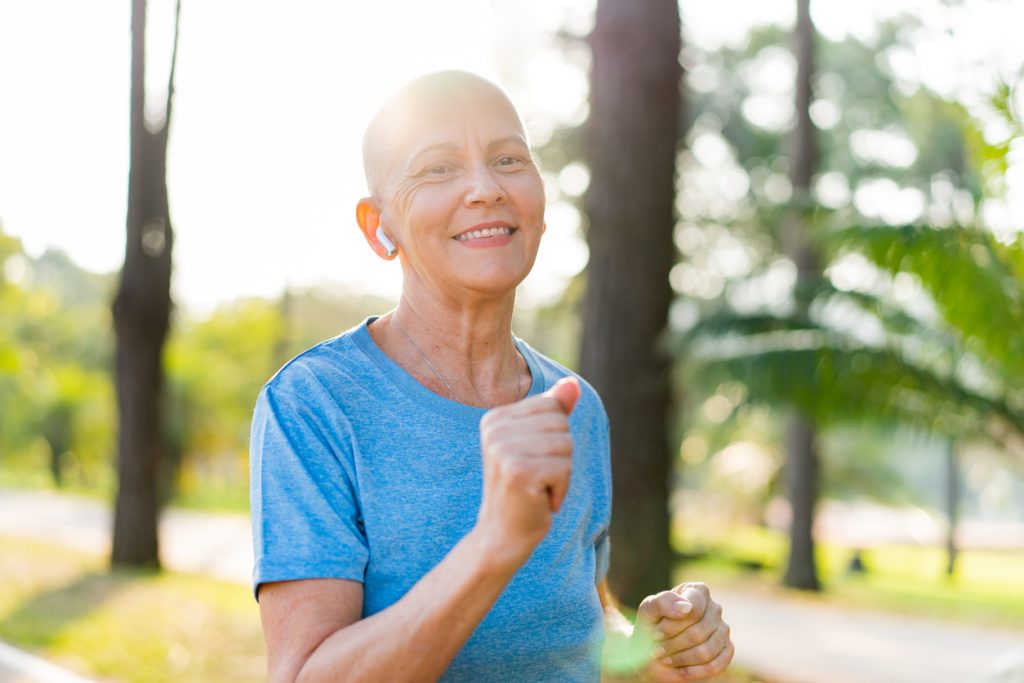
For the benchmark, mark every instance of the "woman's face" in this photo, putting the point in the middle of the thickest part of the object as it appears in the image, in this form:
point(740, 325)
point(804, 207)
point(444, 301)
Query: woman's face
point(464, 198)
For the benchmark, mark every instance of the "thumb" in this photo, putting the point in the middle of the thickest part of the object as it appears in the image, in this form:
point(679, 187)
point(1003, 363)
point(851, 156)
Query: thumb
point(567, 391)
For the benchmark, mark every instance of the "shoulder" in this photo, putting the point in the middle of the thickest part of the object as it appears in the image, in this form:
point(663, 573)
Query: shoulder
point(321, 368)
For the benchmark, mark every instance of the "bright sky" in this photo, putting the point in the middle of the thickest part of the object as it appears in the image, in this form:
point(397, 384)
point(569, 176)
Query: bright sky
point(271, 101)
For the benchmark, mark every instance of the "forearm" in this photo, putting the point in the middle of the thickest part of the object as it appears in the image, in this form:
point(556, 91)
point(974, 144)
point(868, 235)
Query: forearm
point(416, 638)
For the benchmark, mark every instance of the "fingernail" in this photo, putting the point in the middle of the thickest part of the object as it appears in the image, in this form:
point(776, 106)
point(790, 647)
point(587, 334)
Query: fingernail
point(667, 661)
point(659, 652)
point(657, 635)
point(682, 607)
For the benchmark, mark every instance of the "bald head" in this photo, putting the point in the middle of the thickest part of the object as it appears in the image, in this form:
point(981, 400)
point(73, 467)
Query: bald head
point(428, 97)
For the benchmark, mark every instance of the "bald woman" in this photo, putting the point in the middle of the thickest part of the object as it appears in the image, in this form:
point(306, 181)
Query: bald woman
point(431, 496)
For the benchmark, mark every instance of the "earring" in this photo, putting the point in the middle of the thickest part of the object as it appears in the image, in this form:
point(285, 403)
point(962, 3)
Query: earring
point(389, 246)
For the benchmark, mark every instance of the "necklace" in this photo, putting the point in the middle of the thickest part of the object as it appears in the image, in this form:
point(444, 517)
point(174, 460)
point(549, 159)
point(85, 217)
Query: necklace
point(448, 385)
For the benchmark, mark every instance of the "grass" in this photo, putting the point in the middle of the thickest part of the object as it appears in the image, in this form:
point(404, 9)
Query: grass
point(987, 589)
point(136, 626)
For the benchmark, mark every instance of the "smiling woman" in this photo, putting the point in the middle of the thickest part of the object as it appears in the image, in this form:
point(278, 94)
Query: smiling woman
point(445, 163)
point(412, 510)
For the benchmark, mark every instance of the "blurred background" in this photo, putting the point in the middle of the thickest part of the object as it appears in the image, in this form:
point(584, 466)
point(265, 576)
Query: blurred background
point(833, 320)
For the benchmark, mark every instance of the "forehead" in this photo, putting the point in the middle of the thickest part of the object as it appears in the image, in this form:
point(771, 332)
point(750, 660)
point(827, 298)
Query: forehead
point(482, 112)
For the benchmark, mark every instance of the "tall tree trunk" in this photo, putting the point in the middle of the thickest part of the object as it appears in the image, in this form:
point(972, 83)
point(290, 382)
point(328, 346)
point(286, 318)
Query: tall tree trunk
point(803, 462)
point(141, 319)
point(632, 138)
point(952, 506)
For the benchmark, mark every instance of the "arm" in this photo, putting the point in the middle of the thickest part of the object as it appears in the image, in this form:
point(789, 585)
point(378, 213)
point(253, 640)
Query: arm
point(313, 627)
point(314, 631)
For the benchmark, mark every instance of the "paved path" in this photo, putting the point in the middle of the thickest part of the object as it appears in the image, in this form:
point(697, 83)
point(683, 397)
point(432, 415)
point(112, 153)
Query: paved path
point(797, 641)
point(789, 640)
point(218, 545)
point(20, 667)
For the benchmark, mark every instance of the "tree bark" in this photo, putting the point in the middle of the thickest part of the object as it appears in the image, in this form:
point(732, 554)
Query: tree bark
point(632, 137)
point(141, 311)
point(802, 460)
point(952, 507)
point(802, 477)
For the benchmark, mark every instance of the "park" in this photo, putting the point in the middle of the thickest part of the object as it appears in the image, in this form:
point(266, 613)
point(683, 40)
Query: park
point(781, 243)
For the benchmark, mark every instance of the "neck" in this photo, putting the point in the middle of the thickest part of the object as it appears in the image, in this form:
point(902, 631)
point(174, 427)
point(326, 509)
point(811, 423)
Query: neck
point(455, 347)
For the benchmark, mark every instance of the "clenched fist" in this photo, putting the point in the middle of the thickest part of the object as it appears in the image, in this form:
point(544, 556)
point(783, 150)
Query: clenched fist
point(527, 452)
point(691, 641)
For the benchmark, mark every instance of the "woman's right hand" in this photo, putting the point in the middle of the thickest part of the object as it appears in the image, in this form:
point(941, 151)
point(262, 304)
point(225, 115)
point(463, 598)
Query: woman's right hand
point(527, 452)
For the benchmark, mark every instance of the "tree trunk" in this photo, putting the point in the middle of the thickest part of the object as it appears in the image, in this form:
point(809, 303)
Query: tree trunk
point(952, 507)
point(632, 138)
point(141, 312)
point(802, 478)
point(802, 463)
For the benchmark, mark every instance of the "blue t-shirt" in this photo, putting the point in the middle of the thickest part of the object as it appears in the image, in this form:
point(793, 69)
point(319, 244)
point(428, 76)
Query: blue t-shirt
point(360, 472)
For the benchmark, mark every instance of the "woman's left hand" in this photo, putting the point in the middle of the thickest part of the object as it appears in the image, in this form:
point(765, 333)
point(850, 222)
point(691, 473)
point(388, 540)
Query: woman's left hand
point(690, 640)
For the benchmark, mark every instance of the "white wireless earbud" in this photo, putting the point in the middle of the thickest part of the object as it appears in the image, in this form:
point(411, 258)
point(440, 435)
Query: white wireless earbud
point(388, 244)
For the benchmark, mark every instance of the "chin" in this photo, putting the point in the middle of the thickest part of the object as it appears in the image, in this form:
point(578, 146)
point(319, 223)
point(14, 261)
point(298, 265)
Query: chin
point(495, 283)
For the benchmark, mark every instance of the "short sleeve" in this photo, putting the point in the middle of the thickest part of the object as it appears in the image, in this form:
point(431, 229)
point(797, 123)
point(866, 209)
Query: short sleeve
point(306, 517)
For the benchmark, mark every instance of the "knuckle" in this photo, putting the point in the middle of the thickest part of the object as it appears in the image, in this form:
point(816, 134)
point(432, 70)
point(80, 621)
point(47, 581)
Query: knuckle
point(646, 609)
point(703, 653)
point(699, 586)
point(695, 636)
point(499, 450)
point(513, 469)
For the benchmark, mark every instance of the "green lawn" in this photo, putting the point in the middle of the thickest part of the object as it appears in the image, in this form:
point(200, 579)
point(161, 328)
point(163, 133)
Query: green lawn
point(127, 626)
point(988, 587)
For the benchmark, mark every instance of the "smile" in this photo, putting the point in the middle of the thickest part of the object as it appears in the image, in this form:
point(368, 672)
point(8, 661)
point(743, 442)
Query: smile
point(485, 232)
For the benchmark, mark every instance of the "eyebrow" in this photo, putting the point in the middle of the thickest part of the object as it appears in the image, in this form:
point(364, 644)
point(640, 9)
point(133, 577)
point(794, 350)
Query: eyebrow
point(451, 147)
point(438, 146)
point(518, 139)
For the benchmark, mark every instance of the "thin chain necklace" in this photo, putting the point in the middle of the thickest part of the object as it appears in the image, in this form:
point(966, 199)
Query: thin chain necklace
point(445, 382)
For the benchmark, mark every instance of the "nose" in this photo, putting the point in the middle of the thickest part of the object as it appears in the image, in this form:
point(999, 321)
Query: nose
point(485, 187)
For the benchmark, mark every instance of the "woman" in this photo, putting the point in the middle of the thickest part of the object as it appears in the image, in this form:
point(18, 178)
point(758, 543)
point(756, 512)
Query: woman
point(431, 496)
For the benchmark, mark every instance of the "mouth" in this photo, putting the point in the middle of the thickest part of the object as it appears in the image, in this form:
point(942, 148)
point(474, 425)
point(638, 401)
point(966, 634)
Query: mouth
point(493, 229)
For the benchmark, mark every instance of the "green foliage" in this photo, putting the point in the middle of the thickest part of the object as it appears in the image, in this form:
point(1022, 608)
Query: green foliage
point(54, 351)
point(58, 422)
point(909, 324)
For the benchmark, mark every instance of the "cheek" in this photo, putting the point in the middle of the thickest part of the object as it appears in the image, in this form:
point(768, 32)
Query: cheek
point(531, 199)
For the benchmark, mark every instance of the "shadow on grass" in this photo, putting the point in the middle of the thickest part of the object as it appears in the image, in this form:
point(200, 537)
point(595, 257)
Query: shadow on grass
point(40, 620)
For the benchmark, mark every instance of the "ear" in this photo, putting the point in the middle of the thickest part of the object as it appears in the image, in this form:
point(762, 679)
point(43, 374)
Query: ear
point(368, 218)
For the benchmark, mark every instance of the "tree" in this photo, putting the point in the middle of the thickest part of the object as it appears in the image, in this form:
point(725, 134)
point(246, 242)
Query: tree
point(632, 137)
point(141, 312)
point(802, 462)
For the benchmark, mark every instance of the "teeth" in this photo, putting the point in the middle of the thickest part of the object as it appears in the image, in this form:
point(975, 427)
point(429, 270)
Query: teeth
point(486, 232)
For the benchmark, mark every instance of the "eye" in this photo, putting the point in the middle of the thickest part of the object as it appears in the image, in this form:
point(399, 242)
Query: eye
point(438, 169)
point(510, 160)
